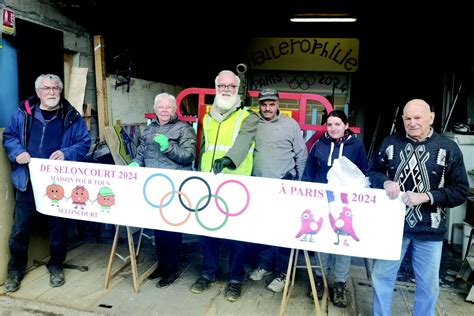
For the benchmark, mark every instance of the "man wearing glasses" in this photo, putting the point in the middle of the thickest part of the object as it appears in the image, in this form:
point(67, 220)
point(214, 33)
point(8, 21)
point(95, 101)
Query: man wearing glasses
point(220, 129)
point(44, 126)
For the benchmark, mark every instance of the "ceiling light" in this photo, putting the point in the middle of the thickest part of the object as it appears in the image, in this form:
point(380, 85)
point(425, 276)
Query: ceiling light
point(322, 17)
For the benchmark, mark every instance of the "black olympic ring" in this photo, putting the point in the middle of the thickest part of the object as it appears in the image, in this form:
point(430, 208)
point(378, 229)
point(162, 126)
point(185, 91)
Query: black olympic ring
point(208, 198)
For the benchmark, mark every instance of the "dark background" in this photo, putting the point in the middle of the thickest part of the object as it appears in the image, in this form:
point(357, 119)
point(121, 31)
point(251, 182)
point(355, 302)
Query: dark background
point(406, 47)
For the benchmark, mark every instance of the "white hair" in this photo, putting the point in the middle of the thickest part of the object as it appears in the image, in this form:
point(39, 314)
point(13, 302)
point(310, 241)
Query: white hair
point(165, 95)
point(48, 77)
point(227, 72)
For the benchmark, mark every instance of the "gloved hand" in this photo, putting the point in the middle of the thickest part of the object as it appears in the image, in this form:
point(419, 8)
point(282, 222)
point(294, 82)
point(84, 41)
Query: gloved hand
point(134, 164)
point(162, 140)
point(220, 164)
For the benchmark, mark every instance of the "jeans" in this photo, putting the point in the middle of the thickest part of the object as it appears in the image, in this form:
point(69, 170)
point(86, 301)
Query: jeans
point(340, 264)
point(426, 260)
point(168, 246)
point(271, 256)
point(210, 253)
point(25, 211)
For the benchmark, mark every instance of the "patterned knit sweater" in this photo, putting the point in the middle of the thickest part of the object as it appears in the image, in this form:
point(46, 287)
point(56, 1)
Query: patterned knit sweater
point(435, 166)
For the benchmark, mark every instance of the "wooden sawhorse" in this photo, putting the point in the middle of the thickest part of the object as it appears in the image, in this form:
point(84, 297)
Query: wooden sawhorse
point(290, 278)
point(130, 259)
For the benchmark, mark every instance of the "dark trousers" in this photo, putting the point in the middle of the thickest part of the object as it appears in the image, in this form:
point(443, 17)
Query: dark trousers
point(210, 253)
point(272, 256)
point(168, 247)
point(25, 211)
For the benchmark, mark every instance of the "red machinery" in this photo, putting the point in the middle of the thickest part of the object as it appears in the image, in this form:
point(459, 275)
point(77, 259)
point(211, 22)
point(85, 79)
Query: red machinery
point(299, 115)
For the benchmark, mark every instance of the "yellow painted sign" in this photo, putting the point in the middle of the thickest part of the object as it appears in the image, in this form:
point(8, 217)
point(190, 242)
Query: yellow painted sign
point(305, 54)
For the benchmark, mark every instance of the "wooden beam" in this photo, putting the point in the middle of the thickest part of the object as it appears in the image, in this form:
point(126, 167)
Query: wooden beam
point(101, 85)
point(88, 115)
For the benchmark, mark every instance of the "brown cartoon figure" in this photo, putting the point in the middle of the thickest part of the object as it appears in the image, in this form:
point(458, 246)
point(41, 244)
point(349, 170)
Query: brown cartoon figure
point(56, 193)
point(105, 198)
point(79, 196)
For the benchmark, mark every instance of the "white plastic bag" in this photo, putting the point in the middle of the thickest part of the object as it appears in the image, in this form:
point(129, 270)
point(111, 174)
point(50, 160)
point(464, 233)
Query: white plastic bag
point(345, 173)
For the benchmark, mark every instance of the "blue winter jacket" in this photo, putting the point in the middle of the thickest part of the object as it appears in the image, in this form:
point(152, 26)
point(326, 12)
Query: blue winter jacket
point(75, 139)
point(323, 153)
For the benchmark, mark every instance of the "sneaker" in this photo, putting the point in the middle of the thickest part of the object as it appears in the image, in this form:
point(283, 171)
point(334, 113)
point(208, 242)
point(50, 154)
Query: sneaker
point(155, 275)
point(233, 291)
point(278, 283)
point(340, 297)
point(167, 280)
point(258, 274)
point(12, 283)
point(56, 278)
point(201, 285)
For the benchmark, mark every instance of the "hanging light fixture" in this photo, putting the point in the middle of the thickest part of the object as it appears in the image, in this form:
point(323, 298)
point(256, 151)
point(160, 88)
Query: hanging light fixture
point(322, 17)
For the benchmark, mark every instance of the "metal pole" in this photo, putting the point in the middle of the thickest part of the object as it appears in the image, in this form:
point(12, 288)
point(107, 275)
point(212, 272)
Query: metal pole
point(452, 108)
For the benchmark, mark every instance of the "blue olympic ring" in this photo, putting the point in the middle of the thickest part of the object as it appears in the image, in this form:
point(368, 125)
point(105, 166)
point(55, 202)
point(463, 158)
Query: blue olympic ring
point(172, 190)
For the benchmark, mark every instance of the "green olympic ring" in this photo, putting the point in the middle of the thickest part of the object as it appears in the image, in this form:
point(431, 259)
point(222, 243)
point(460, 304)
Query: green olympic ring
point(196, 211)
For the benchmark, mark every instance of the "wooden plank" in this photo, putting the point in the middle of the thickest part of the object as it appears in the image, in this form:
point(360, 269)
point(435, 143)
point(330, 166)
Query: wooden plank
point(101, 85)
point(77, 88)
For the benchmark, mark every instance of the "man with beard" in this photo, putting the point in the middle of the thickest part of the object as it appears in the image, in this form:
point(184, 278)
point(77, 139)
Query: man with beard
point(49, 127)
point(220, 129)
point(278, 139)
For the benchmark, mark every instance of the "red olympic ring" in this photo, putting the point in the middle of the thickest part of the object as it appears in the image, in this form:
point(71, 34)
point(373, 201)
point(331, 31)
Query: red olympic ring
point(246, 191)
point(161, 211)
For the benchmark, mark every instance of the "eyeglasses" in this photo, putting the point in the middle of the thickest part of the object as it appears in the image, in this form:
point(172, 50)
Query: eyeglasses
point(48, 89)
point(227, 86)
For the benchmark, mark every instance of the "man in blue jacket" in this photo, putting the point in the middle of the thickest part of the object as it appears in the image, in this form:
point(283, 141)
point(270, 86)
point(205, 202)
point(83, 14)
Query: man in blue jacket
point(44, 126)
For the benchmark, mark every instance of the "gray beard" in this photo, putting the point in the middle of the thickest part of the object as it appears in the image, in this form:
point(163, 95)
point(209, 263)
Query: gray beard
point(221, 109)
point(222, 105)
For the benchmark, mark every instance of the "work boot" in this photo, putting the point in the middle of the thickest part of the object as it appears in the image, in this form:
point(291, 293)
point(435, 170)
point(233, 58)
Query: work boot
point(340, 294)
point(12, 283)
point(201, 285)
point(319, 283)
point(233, 291)
point(56, 278)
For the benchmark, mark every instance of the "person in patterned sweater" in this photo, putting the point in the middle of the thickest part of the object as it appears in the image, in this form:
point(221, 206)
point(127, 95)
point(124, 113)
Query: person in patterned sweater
point(426, 170)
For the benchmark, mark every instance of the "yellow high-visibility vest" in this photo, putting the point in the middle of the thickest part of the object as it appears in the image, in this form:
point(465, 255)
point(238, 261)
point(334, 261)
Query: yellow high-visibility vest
point(219, 138)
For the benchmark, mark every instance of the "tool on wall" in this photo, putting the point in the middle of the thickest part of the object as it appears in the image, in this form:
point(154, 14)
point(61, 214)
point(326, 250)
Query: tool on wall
point(241, 70)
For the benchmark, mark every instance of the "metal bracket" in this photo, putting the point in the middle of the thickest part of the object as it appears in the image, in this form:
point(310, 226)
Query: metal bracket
point(38, 263)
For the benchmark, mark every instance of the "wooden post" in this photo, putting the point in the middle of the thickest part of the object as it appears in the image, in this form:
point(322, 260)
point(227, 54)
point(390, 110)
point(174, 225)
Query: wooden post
point(101, 85)
point(88, 115)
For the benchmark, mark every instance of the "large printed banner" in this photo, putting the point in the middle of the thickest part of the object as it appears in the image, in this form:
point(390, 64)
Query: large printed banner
point(293, 214)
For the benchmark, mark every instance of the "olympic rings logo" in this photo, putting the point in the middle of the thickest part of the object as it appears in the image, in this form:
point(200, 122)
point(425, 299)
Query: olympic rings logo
point(301, 81)
point(202, 203)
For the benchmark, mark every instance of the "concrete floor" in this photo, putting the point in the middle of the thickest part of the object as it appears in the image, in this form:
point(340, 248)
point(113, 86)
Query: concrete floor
point(84, 292)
